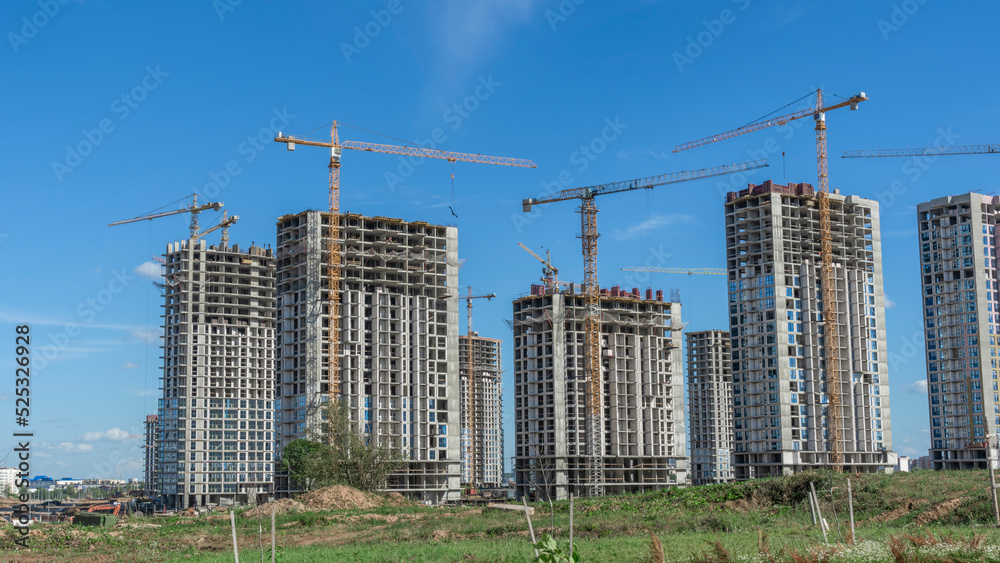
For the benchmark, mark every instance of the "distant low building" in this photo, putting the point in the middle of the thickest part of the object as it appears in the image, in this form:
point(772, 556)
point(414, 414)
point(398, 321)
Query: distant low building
point(8, 476)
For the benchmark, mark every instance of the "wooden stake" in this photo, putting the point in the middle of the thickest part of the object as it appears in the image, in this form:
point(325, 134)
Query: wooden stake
point(993, 479)
point(819, 514)
point(850, 509)
point(272, 534)
point(571, 524)
point(531, 530)
point(232, 521)
point(812, 508)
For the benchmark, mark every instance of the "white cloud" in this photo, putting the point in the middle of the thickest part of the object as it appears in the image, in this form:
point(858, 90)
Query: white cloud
point(906, 440)
point(653, 224)
point(144, 393)
point(150, 270)
point(889, 303)
point(113, 435)
point(130, 365)
point(70, 447)
point(906, 450)
point(144, 335)
point(918, 387)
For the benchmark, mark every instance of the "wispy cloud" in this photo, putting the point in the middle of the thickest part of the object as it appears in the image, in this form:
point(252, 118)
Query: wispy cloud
point(130, 365)
point(69, 447)
point(149, 270)
point(918, 387)
point(889, 303)
point(470, 31)
point(653, 224)
point(145, 335)
point(113, 435)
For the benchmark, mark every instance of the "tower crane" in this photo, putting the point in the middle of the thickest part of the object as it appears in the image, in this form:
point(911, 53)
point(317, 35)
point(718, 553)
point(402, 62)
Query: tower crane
point(333, 244)
point(592, 328)
point(931, 151)
point(193, 208)
point(831, 337)
point(688, 271)
point(471, 407)
point(550, 274)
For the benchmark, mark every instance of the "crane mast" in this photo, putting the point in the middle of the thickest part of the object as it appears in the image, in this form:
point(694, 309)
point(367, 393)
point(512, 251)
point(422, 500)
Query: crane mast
point(592, 300)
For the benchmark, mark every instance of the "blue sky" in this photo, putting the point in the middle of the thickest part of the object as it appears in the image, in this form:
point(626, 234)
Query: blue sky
point(113, 109)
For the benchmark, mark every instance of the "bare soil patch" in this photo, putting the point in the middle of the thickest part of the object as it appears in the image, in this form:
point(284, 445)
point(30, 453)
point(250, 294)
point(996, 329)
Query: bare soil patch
point(938, 511)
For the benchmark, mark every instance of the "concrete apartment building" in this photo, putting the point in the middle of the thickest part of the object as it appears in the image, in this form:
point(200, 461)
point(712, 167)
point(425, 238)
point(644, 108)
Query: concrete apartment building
point(484, 467)
point(150, 431)
point(644, 439)
point(961, 304)
point(776, 329)
point(215, 443)
point(8, 476)
point(710, 406)
point(399, 341)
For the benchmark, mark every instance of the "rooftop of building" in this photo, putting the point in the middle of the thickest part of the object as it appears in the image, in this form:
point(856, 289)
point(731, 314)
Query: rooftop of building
point(349, 215)
point(768, 186)
point(616, 292)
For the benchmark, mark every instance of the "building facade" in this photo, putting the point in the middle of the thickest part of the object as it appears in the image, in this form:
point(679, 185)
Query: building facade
point(484, 466)
point(399, 341)
point(644, 441)
point(150, 431)
point(216, 433)
point(961, 304)
point(710, 406)
point(8, 476)
point(780, 393)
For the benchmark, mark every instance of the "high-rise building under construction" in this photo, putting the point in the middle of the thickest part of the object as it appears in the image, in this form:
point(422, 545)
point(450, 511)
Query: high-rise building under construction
point(482, 441)
point(399, 341)
point(710, 406)
point(643, 438)
point(961, 305)
point(215, 443)
point(780, 376)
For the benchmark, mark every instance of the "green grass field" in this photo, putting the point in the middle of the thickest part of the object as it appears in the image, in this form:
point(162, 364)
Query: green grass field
point(922, 516)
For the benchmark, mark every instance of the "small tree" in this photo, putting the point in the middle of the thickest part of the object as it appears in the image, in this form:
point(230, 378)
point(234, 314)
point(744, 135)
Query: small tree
point(307, 463)
point(340, 454)
point(359, 458)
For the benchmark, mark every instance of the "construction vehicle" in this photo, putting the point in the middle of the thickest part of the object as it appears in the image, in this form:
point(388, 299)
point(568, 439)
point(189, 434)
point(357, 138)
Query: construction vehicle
point(831, 338)
point(334, 249)
point(592, 329)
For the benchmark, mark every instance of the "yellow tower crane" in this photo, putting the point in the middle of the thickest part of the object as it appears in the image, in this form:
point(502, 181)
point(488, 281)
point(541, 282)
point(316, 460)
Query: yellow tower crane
point(193, 208)
point(550, 274)
point(831, 338)
point(592, 326)
point(471, 455)
point(688, 271)
point(333, 245)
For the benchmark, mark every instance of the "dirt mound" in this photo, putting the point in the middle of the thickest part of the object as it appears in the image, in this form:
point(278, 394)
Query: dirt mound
point(396, 499)
point(339, 497)
point(938, 511)
point(280, 506)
